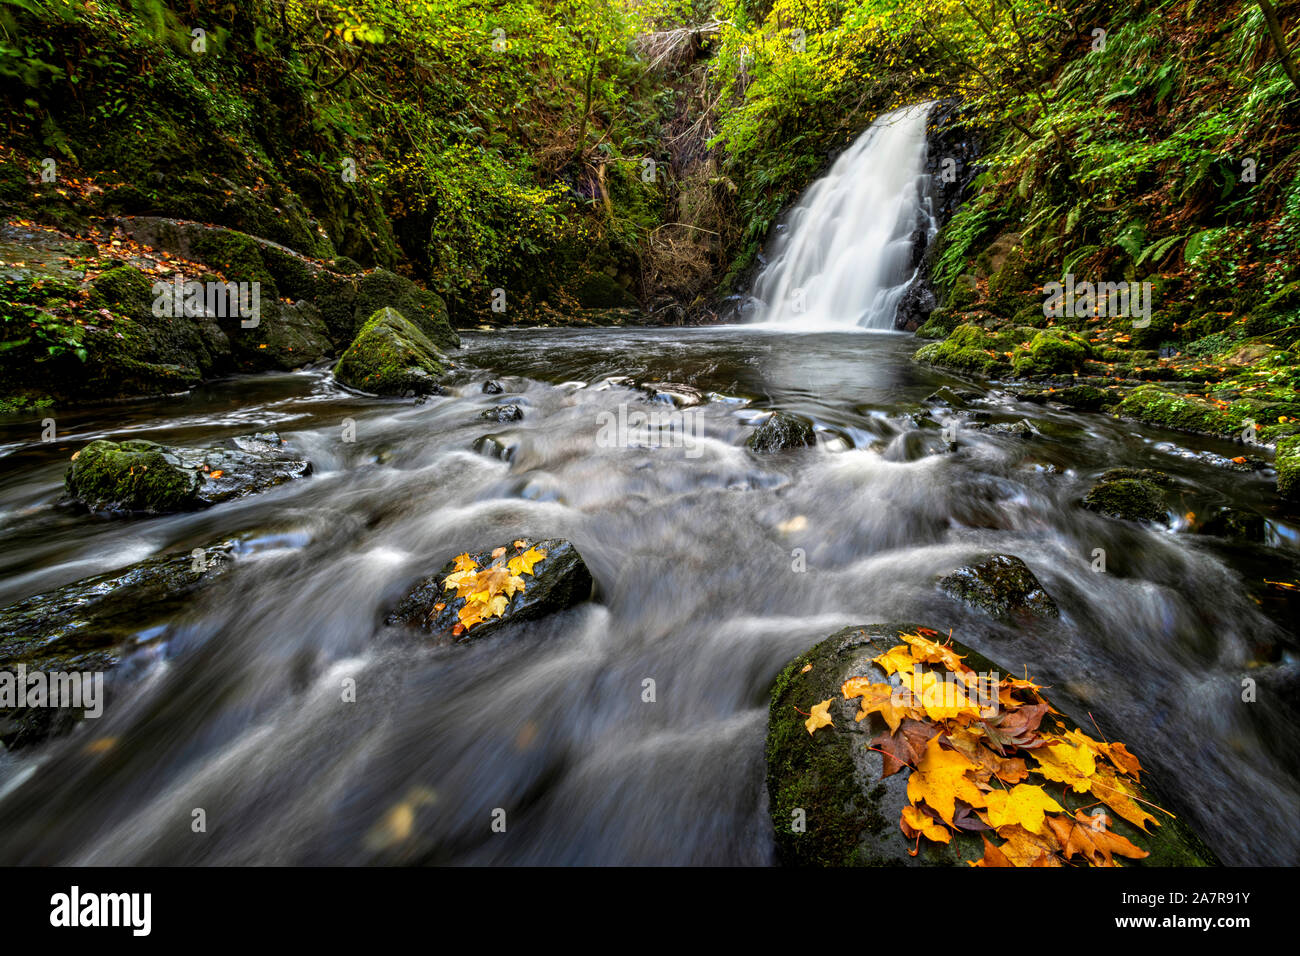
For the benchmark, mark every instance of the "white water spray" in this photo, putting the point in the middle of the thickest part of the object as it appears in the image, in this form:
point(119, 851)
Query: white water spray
point(844, 259)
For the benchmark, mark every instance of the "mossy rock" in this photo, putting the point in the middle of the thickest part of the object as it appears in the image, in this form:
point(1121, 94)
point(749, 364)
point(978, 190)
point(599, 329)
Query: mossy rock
point(1051, 352)
point(143, 477)
point(1001, 585)
point(390, 356)
point(963, 294)
point(1130, 494)
point(347, 301)
point(135, 475)
point(424, 309)
point(1287, 462)
point(1156, 406)
point(1086, 398)
point(832, 782)
point(939, 324)
point(969, 349)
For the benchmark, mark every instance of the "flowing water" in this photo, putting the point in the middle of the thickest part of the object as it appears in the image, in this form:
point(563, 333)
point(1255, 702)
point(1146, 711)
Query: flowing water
point(236, 707)
point(844, 256)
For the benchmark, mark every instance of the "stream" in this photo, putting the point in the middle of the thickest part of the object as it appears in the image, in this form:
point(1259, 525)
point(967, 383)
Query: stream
point(235, 707)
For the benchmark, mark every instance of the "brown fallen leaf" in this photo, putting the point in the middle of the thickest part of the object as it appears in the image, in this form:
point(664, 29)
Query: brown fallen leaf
point(1098, 844)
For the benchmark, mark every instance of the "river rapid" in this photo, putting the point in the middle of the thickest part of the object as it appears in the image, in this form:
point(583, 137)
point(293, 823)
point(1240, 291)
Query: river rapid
point(714, 566)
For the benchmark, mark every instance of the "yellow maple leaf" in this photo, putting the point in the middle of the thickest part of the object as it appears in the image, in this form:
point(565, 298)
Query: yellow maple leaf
point(465, 563)
point(921, 822)
point(820, 716)
point(523, 563)
point(883, 698)
point(1024, 804)
point(897, 660)
point(1064, 762)
point(942, 700)
point(940, 779)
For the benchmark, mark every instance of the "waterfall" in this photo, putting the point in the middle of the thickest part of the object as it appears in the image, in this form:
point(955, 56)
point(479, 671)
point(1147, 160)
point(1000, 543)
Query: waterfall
point(845, 256)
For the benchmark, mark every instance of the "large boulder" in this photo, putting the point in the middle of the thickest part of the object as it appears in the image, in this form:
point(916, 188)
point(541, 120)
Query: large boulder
point(1003, 586)
point(831, 806)
point(142, 476)
point(390, 356)
point(557, 580)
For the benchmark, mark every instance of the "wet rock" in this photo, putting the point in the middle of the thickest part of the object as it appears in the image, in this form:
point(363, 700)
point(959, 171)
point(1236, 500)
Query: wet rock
point(1237, 524)
point(558, 581)
point(851, 814)
point(1131, 494)
point(782, 432)
point(946, 397)
point(1020, 429)
point(390, 356)
point(503, 413)
point(1001, 585)
point(87, 625)
point(141, 476)
point(493, 387)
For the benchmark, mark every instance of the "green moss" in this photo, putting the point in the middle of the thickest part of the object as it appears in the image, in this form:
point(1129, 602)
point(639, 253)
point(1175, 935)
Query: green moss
point(1051, 352)
point(969, 349)
point(135, 475)
point(424, 309)
point(938, 324)
point(125, 290)
point(1088, 398)
point(1287, 462)
point(1155, 406)
point(1130, 499)
point(236, 255)
point(390, 356)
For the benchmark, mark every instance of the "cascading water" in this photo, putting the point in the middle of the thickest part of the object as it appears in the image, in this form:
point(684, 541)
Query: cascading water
point(845, 256)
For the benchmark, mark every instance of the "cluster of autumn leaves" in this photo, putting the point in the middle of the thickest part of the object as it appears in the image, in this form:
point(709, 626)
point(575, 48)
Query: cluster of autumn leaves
point(488, 590)
point(970, 759)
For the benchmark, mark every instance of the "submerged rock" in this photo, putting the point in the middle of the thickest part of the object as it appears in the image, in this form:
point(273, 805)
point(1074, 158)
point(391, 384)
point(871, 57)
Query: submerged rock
point(390, 356)
point(782, 432)
point(1002, 585)
point(1131, 494)
point(84, 626)
point(142, 476)
point(558, 581)
point(832, 782)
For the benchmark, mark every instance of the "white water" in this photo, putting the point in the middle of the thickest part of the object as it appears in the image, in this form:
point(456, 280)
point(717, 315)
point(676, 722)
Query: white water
point(844, 258)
